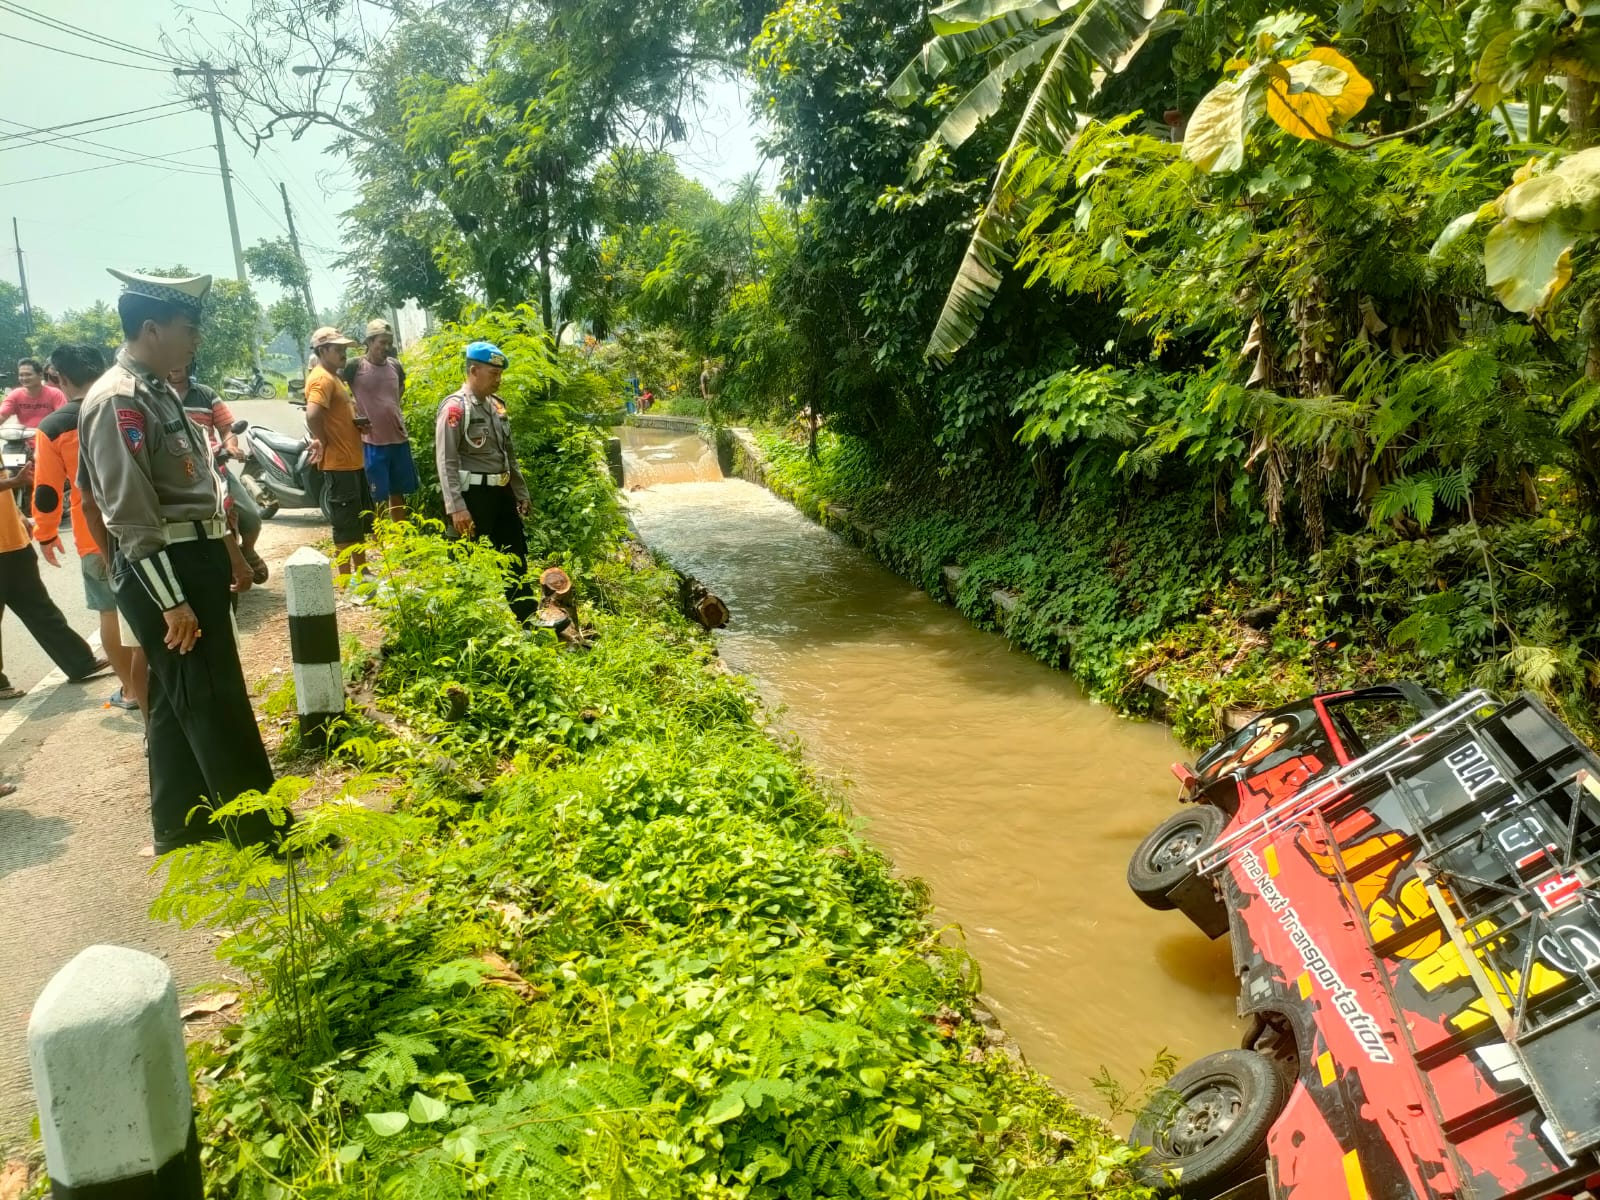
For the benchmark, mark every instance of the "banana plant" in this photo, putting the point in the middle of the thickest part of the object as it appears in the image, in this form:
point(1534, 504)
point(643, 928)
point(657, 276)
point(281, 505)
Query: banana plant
point(1080, 43)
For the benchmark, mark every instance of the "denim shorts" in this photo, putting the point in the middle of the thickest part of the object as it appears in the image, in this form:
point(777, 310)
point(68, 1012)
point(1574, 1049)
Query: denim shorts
point(391, 470)
point(97, 593)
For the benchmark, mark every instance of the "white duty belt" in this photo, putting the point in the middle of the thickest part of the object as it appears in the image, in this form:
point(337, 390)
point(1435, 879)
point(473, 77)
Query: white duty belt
point(194, 531)
point(472, 479)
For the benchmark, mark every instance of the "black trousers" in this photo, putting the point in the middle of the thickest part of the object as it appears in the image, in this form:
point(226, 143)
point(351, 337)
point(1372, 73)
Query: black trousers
point(205, 747)
point(494, 514)
point(23, 592)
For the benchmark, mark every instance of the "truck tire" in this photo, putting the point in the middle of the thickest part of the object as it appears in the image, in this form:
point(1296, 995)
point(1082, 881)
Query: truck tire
point(1210, 1123)
point(1161, 861)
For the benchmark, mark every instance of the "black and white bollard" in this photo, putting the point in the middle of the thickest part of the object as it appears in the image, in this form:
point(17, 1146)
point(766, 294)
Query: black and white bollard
point(313, 644)
point(105, 1045)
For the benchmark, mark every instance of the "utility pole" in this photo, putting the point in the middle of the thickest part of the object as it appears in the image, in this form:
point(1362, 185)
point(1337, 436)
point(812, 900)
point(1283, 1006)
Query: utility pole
point(211, 74)
point(22, 276)
point(294, 241)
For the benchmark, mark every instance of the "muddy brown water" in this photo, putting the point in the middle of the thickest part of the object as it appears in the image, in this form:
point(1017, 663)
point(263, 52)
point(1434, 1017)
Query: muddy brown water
point(978, 769)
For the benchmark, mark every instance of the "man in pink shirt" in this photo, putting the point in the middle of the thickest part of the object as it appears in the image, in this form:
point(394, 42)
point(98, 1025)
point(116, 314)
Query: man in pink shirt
point(34, 399)
point(377, 381)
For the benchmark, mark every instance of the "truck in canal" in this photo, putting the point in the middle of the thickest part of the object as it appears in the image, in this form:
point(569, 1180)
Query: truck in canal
point(1412, 891)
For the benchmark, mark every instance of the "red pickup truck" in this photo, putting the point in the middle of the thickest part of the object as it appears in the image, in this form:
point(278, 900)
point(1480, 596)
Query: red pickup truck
point(1412, 890)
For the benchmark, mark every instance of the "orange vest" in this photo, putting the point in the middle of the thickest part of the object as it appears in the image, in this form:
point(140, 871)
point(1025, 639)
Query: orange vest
point(55, 466)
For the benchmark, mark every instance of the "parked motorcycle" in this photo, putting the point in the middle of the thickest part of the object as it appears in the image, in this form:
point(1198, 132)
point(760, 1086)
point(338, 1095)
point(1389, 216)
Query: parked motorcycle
point(278, 471)
point(16, 446)
point(257, 386)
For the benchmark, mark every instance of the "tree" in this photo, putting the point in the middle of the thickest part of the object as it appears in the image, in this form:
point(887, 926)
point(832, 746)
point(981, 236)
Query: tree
point(231, 324)
point(97, 325)
point(1079, 46)
point(276, 261)
point(475, 129)
point(15, 340)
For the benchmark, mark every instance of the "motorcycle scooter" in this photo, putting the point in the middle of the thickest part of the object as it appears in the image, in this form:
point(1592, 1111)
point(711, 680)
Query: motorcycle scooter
point(278, 471)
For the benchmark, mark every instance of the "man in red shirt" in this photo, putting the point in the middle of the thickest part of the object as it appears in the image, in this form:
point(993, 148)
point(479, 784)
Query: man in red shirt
point(34, 399)
point(30, 403)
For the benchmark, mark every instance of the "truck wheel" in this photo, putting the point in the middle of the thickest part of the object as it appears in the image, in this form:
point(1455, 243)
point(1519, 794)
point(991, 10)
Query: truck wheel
point(1210, 1123)
point(1161, 861)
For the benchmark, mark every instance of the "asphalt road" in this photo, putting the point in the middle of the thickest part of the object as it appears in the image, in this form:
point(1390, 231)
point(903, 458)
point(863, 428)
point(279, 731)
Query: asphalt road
point(21, 657)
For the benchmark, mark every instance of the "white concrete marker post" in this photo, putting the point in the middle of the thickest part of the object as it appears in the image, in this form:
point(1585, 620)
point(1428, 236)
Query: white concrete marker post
point(105, 1046)
point(313, 644)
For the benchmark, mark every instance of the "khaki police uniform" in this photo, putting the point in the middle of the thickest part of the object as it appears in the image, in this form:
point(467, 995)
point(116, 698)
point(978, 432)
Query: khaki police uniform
point(151, 474)
point(478, 473)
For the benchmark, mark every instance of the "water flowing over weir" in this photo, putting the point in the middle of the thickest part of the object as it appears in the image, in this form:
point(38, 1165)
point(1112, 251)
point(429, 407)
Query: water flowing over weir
point(978, 768)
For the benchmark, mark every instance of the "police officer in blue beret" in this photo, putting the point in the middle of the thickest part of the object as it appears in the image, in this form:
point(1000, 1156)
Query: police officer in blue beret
point(484, 492)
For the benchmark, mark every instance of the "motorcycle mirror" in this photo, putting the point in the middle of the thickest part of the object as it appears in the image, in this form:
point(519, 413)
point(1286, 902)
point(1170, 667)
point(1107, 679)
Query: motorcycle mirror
point(240, 425)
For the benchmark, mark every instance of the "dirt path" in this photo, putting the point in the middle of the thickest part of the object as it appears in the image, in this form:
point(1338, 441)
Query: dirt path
point(74, 839)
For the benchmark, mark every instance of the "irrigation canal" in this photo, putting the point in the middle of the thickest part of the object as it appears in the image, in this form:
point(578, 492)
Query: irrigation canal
point(979, 769)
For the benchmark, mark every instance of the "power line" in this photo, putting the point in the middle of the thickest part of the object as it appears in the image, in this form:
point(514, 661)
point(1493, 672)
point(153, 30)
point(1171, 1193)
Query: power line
point(132, 162)
point(152, 159)
point(23, 140)
point(108, 117)
point(29, 14)
point(90, 57)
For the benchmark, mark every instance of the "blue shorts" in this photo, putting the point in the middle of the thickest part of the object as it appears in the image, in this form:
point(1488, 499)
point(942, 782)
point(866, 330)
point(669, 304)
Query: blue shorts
point(97, 593)
point(390, 470)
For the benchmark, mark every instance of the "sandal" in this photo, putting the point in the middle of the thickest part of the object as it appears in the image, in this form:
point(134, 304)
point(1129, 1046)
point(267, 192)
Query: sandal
point(7, 692)
point(258, 567)
point(7, 789)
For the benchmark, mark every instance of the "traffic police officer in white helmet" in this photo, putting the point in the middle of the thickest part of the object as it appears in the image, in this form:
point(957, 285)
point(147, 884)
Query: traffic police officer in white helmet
point(173, 565)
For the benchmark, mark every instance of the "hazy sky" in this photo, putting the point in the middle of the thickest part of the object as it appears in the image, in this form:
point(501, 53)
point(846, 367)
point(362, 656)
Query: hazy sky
point(79, 212)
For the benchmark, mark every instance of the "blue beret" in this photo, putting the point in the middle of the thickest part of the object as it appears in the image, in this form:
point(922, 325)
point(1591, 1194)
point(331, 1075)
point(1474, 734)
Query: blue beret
point(487, 352)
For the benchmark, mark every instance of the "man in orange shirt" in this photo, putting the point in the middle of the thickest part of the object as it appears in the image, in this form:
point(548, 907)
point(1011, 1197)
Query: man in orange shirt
point(336, 447)
point(55, 460)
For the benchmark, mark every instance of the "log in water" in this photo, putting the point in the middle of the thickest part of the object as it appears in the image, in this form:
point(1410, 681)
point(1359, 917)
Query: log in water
point(980, 770)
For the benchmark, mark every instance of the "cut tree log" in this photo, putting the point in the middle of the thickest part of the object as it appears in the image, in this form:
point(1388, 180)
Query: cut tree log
point(700, 604)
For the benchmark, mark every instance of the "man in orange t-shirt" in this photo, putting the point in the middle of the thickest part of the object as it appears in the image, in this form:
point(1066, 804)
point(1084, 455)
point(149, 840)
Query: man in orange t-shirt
point(336, 447)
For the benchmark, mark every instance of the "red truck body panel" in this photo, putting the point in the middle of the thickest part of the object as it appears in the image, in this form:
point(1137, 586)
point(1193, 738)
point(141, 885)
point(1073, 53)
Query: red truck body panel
point(1430, 932)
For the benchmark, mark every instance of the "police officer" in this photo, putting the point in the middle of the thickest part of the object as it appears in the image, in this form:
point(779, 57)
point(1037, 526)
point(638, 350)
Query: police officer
point(173, 566)
point(483, 488)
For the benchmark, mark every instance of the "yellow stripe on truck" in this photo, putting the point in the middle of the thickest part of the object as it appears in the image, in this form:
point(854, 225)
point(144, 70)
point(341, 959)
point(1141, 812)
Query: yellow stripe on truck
point(1325, 1068)
point(1305, 985)
point(1354, 1180)
point(1269, 855)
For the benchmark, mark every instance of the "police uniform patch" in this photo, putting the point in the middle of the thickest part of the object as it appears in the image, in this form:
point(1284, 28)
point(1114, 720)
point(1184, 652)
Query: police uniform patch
point(131, 422)
point(452, 413)
point(500, 407)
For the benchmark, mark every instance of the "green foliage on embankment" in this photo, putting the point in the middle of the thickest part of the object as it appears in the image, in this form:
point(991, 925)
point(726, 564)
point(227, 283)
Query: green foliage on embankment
point(589, 930)
point(651, 958)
